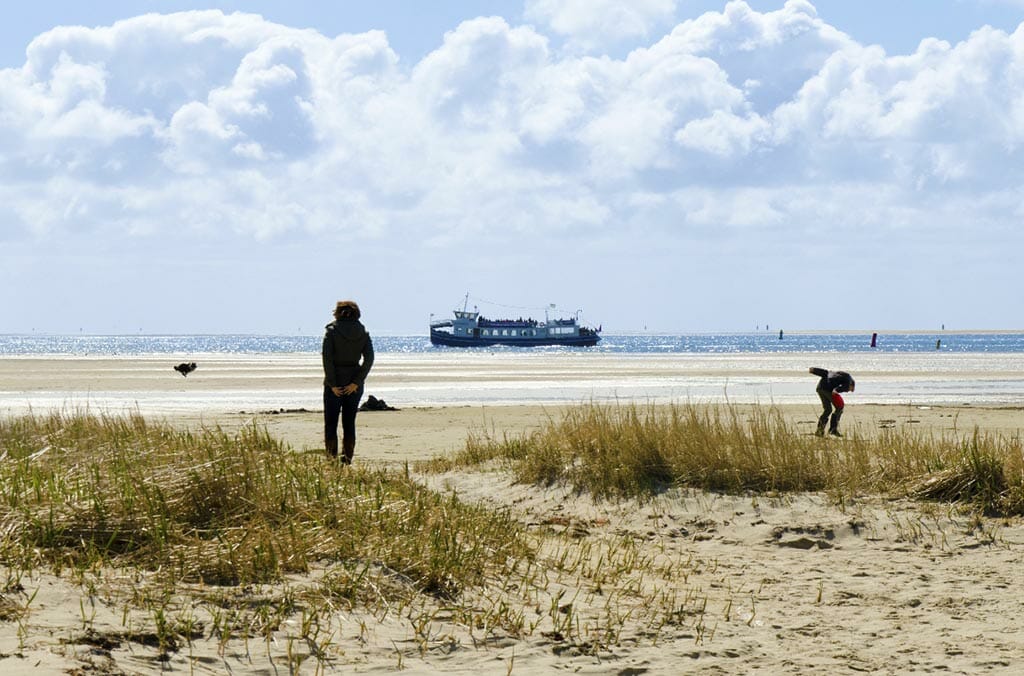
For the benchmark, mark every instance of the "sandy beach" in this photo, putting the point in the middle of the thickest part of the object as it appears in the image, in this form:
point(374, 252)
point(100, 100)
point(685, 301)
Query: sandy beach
point(790, 584)
point(441, 398)
point(225, 383)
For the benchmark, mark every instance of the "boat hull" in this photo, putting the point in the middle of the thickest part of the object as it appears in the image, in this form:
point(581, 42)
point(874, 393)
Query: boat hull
point(448, 340)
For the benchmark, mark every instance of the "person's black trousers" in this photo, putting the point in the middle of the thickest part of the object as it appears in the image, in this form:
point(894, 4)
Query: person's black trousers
point(345, 407)
point(827, 409)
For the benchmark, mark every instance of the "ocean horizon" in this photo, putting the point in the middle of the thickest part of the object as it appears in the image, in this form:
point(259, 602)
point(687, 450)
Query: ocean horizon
point(987, 341)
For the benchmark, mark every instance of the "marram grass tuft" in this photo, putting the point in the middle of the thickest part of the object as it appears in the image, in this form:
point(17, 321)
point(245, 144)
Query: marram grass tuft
point(623, 451)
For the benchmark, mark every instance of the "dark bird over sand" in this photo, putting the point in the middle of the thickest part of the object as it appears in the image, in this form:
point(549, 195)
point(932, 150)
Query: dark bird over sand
point(185, 368)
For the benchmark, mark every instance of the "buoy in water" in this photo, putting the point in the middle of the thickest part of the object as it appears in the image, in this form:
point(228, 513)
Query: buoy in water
point(874, 339)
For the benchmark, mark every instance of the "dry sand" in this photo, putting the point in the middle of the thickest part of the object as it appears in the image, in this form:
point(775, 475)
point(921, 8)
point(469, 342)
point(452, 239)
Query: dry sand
point(419, 433)
point(790, 584)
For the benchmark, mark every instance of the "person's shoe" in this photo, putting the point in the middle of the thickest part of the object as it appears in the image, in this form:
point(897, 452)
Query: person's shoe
point(348, 449)
point(332, 448)
point(835, 433)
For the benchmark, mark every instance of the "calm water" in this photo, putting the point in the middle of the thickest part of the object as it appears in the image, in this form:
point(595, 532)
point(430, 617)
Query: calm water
point(697, 343)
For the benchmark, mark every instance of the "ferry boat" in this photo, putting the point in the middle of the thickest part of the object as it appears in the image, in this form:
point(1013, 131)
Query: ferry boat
point(471, 329)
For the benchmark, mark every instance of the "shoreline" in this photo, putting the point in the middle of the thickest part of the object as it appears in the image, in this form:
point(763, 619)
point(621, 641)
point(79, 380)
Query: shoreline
point(225, 384)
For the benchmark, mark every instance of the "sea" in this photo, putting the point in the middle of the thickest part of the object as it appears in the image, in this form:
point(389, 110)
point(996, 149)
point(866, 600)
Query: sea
point(695, 343)
point(281, 372)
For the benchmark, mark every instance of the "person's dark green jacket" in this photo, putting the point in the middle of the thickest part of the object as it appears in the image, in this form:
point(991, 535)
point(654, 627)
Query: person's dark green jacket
point(345, 341)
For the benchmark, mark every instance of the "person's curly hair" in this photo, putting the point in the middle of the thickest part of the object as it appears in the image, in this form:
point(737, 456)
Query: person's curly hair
point(347, 309)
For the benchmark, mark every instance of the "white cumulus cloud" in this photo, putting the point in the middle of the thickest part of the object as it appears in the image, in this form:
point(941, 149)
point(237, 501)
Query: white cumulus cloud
point(237, 125)
point(590, 24)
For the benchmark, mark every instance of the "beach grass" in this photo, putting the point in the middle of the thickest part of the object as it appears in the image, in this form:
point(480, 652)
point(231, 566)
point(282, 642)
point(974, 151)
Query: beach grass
point(221, 516)
point(628, 450)
point(224, 509)
point(206, 535)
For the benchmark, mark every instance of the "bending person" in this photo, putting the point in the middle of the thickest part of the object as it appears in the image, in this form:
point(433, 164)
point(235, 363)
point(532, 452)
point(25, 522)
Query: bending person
point(346, 342)
point(829, 387)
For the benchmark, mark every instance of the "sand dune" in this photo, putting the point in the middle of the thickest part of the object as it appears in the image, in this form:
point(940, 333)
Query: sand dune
point(766, 584)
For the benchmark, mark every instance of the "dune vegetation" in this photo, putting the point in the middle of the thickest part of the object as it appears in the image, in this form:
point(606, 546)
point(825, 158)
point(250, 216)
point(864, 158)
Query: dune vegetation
point(225, 509)
point(188, 537)
point(200, 536)
point(626, 451)
point(215, 513)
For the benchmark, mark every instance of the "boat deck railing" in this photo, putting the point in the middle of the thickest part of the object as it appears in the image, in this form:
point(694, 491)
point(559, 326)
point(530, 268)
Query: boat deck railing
point(508, 323)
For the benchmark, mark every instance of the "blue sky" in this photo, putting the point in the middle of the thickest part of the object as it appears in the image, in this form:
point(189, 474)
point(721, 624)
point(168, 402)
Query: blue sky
point(677, 165)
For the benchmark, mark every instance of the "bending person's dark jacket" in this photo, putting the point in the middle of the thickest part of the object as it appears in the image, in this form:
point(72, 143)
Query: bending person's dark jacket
point(345, 341)
point(833, 381)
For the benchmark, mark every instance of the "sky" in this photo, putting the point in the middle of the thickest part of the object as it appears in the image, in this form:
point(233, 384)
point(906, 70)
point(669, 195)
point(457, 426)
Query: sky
point(657, 165)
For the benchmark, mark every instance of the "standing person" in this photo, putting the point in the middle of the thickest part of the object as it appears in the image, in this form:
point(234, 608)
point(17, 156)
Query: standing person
point(345, 342)
point(829, 387)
